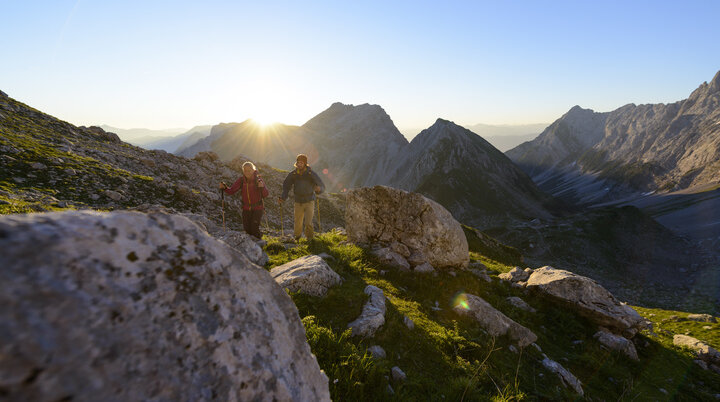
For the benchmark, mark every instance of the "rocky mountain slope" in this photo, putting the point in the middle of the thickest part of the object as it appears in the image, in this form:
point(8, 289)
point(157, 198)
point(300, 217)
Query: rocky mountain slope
point(155, 274)
point(48, 164)
point(587, 157)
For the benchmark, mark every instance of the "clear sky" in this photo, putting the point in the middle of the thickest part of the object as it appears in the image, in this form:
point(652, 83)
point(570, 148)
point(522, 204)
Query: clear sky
point(165, 64)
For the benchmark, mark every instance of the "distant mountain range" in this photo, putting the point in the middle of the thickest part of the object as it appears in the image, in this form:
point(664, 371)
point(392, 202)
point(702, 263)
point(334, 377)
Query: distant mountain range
point(168, 140)
point(354, 146)
point(505, 137)
point(589, 158)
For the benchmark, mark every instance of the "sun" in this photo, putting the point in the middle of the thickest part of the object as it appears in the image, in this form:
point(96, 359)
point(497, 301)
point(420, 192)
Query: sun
point(264, 120)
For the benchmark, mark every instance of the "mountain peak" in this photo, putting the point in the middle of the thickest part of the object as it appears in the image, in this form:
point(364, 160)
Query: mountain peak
point(3, 94)
point(715, 83)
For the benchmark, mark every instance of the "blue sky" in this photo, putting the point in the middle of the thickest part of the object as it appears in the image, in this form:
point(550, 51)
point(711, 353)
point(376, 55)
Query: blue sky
point(164, 64)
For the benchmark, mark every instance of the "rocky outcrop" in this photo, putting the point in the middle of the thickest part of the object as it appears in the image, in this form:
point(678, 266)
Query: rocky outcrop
point(134, 306)
point(617, 343)
point(588, 298)
point(493, 321)
point(310, 275)
point(373, 314)
point(387, 215)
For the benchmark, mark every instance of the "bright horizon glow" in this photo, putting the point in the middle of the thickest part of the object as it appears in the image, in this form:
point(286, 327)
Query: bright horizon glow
point(157, 65)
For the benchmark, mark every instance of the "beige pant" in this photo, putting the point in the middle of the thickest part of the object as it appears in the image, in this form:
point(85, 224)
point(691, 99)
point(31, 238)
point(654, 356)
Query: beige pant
point(304, 210)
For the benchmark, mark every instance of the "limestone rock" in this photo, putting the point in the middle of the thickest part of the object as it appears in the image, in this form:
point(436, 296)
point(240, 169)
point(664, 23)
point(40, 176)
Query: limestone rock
point(701, 318)
point(244, 243)
point(567, 378)
point(424, 268)
point(377, 352)
point(398, 375)
point(389, 257)
point(373, 314)
point(588, 298)
point(618, 343)
point(113, 195)
point(520, 303)
point(387, 215)
point(134, 306)
point(515, 275)
point(493, 321)
point(416, 258)
point(482, 274)
point(702, 350)
point(309, 274)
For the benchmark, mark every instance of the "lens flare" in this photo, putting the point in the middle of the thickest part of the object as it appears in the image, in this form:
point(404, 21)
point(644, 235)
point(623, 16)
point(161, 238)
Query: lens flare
point(461, 300)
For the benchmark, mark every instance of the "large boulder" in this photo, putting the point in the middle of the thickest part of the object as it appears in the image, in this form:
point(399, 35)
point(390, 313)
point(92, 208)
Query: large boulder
point(386, 215)
point(134, 306)
point(310, 275)
point(493, 321)
point(588, 298)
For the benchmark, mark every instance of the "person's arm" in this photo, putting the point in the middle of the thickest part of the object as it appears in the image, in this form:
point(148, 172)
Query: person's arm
point(235, 187)
point(318, 182)
point(262, 187)
point(287, 185)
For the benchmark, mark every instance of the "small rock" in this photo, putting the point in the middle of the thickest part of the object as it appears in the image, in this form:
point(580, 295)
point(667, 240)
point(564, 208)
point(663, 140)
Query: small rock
point(408, 322)
point(400, 248)
point(512, 348)
point(701, 363)
point(481, 274)
point(310, 275)
point(520, 303)
point(618, 343)
point(701, 318)
point(567, 378)
point(377, 352)
point(424, 268)
point(663, 391)
point(38, 166)
point(398, 375)
point(515, 275)
point(113, 195)
point(416, 258)
point(326, 257)
point(373, 314)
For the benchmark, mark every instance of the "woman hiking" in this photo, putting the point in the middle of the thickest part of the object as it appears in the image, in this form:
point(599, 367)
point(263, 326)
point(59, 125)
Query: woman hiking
point(253, 191)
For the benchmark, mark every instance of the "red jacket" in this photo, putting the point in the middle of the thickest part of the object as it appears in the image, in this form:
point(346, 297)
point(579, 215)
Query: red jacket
point(251, 194)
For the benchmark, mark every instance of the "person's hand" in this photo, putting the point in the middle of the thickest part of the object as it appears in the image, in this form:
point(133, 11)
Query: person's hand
point(280, 200)
point(317, 189)
point(261, 184)
point(222, 186)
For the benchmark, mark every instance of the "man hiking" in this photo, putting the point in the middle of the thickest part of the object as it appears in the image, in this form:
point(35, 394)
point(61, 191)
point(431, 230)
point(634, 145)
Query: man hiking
point(305, 184)
point(252, 194)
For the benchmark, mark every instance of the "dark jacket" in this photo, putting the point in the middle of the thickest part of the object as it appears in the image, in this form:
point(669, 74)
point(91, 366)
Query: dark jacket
point(302, 184)
point(251, 194)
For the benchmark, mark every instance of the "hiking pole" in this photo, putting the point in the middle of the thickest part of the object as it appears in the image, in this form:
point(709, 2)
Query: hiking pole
point(222, 197)
point(282, 221)
point(267, 226)
point(318, 207)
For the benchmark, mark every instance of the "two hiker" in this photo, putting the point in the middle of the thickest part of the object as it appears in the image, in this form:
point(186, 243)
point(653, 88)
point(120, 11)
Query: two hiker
point(304, 182)
point(252, 194)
